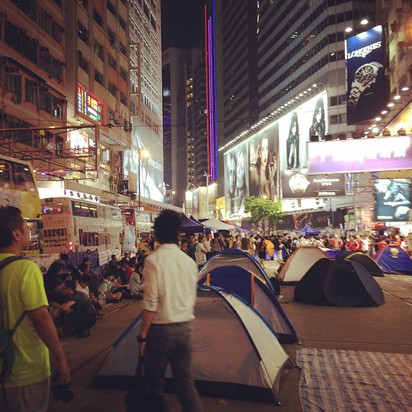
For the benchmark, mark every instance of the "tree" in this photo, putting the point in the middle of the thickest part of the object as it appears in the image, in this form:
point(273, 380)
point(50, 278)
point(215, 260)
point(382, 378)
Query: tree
point(261, 208)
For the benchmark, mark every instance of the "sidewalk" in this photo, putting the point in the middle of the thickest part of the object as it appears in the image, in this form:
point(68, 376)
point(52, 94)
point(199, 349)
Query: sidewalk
point(383, 329)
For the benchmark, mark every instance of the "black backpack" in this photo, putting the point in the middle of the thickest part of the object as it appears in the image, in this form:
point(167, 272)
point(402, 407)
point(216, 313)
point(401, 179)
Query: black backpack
point(7, 348)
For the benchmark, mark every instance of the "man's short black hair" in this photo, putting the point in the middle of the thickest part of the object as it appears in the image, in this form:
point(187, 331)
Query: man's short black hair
point(166, 227)
point(64, 256)
point(10, 219)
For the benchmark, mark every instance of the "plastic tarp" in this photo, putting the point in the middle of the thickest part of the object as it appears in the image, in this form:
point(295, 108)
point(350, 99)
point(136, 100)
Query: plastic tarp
point(217, 224)
point(189, 226)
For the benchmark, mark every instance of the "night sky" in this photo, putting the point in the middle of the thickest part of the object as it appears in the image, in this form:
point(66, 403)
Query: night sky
point(182, 23)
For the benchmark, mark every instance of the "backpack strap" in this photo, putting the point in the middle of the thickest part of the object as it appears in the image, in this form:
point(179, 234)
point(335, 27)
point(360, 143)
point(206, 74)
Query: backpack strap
point(3, 264)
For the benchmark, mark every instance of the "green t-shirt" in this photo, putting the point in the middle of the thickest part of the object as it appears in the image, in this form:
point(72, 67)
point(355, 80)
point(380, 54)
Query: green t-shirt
point(22, 289)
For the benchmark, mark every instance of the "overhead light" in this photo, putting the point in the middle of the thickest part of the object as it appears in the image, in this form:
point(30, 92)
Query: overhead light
point(364, 22)
point(397, 97)
point(376, 131)
point(391, 104)
point(348, 29)
point(378, 119)
point(405, 88)
point(384, 112)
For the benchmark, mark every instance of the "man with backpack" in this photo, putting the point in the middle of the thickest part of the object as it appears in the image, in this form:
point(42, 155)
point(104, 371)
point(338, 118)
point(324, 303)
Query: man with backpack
point(22, 291)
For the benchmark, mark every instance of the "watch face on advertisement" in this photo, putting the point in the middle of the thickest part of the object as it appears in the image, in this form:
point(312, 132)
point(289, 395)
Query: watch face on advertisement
point(364, 74)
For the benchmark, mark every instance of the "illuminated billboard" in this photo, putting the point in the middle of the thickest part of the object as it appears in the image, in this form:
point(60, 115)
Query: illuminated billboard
point(89, 105)
point(360, 155)
point(365, 75)
point(393, 199)
point(302, 185)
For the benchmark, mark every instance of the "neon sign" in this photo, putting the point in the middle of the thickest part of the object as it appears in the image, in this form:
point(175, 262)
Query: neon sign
point(89, 105)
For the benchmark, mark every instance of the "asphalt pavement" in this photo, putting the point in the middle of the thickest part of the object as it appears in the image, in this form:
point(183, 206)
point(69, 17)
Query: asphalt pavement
point(387, 328)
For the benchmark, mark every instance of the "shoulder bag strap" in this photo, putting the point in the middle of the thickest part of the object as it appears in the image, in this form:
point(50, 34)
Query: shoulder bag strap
point(3, 264)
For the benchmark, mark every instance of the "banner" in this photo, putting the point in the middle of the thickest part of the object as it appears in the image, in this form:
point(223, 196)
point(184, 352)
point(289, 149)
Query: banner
point(365, 75)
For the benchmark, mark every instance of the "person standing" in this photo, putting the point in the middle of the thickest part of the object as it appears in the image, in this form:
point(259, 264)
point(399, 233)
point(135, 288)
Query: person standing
point(22, 290)
point(169, 299)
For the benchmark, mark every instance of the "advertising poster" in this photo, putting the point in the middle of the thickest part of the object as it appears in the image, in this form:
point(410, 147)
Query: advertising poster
point(295, 129)
point(236, 180)
point(263, 163)
point(365, 75)
point(302, 185)
point(393, 199)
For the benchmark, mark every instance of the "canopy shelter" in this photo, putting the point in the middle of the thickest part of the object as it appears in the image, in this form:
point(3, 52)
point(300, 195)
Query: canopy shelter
point(216, 224)
point(309, 231)
point(339, 283)
point(248, 286)
point(253, 368)
point(187, 225)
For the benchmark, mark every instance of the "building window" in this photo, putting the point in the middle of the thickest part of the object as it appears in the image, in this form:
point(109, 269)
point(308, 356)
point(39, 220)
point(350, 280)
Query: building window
point(123, 99)
point(84, 3)
point(122, 49)
point(83, 63)
point(338, 119)
point(97, 18)
point(122, 23)
point(112, 37)
point(31, 91)
point(98, 77)
point(111, 8)
point(123, 74)
point(51, 104)
point(82, 33)
point(99, 50)
point(112, 89)
point(13, 81)
point(111, 61)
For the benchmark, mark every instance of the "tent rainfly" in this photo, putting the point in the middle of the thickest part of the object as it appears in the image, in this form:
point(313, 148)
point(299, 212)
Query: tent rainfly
point(253, 368)
point(339, 283)
point(394, 259)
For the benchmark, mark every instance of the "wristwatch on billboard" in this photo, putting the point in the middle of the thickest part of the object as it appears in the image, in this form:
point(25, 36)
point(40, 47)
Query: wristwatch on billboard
point(365, 76)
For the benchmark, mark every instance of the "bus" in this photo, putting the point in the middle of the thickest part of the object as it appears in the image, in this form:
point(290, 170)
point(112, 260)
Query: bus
point(18, 188)
point(137, 226)
point(79, 225)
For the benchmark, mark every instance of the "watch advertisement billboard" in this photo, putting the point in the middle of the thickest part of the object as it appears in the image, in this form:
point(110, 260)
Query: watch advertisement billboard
point(365, 74)
point(297, 185)
point(393, 199)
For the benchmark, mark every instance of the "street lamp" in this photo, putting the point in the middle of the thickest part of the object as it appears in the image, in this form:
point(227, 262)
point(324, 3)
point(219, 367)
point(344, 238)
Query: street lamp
point(145, 154)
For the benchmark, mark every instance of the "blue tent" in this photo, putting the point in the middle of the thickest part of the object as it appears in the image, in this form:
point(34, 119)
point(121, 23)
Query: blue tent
point(189, 226)
point(309, 231)
point(248, 286)
point(237, 257)
point(394, 259)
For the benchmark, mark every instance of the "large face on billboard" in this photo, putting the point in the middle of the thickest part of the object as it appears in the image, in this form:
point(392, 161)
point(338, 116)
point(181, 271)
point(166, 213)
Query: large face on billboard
point(393, 199)
point(236, 175)
point(295, 129)
point(263, 163)
point(365, 75)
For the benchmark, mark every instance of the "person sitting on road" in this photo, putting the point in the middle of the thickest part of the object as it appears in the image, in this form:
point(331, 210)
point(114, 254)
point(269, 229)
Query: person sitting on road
point(111, 289)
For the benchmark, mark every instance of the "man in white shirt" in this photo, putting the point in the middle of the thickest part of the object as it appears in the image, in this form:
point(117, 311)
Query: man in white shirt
point(170, 282)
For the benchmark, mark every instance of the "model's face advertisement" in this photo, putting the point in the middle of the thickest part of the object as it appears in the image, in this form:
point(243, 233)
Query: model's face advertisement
point(237, 180)
point(263, 163)
point(393, 199)
point(365, 75)
point(295, 129)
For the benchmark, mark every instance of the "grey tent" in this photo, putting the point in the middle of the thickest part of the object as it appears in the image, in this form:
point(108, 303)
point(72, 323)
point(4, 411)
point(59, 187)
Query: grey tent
point(339, 283)
point(235, 355)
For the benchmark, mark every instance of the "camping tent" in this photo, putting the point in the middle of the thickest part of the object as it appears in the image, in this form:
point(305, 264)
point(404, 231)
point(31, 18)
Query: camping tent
point(339, 283)
point(309, 231)
point(371, 266)
point(394, 259)
point(216, 224)
point(189, 226)
point(237, 257)
point(252, 369)
point(299, 262)
point(248, 286)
